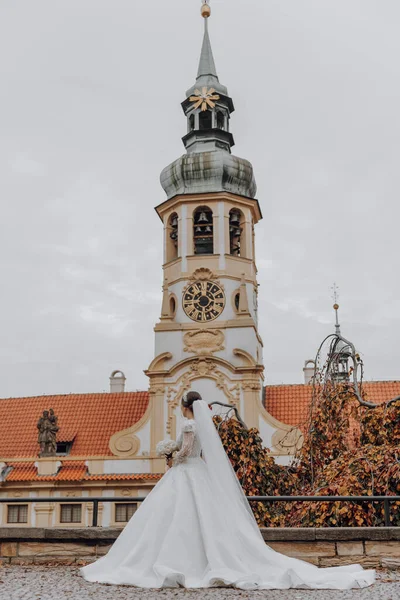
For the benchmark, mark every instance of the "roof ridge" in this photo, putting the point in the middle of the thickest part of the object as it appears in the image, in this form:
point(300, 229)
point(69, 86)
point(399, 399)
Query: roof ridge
point(285, 385)
point(270, 385)
point(382, 381)
point(46, 396)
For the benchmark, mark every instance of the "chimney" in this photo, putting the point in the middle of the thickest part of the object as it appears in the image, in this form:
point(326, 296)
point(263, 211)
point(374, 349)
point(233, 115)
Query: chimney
point(117, 382)
point(309, 371)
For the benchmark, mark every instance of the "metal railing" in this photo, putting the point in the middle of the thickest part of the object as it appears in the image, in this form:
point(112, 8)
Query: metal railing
point(387, 500)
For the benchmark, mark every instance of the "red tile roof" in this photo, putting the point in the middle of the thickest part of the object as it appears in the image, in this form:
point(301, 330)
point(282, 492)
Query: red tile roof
point(21, 472)
point(27, 471)
point(289, 403)
point(88, 419)
point(126, 477)
point(70, 471)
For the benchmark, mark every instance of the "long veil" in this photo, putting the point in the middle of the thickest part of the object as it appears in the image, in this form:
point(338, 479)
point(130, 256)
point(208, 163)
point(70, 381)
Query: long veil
point(225, 483)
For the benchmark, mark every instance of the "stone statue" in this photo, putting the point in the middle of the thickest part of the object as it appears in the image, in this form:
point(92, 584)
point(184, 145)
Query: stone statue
point(48, 427)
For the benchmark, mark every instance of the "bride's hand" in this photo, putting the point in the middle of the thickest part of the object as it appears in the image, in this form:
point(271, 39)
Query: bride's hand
point(169, 462)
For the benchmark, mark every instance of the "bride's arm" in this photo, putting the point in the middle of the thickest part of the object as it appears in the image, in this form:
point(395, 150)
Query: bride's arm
point(187, 446)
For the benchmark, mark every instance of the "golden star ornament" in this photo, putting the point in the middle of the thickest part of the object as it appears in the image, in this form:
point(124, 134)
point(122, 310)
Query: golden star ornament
point(205, 98)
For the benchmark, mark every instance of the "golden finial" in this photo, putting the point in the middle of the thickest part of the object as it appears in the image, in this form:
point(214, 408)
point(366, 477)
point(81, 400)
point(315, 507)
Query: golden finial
point(205, 9)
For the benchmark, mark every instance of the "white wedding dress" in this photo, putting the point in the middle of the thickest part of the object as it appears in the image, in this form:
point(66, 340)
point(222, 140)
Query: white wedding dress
point(196, 529)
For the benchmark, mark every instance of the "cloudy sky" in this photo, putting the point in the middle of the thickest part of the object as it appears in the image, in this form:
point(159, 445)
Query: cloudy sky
point(90, 114)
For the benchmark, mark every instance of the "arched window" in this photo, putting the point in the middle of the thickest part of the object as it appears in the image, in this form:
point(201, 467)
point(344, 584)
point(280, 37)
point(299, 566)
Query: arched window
point(220, 120)
point(172, 306)
point(236, 301)
point(172, 237)
point(236, 233)
point(192, 122)
point(205, 120)
point(203, 231)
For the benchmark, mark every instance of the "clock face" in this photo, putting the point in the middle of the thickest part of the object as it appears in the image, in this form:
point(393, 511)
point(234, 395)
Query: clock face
point(203, 301)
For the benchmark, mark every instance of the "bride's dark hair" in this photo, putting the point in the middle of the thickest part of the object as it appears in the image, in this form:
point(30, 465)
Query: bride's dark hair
point(189, 398)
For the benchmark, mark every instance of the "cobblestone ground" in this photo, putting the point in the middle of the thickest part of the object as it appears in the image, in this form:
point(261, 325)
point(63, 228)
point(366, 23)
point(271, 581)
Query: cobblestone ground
point(64, 583)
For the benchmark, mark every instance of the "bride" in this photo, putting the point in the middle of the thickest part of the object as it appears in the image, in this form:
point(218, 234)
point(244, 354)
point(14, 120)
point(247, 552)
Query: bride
point(196, 529)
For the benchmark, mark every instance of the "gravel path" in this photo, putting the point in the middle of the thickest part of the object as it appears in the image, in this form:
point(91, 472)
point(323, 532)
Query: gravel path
point(64, 583)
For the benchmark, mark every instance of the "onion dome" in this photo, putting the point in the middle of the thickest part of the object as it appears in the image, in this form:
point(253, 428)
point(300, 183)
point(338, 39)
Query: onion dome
point(214, 171)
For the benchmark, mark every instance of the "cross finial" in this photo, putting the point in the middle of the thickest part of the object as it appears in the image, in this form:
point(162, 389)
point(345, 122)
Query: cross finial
point(335, 293)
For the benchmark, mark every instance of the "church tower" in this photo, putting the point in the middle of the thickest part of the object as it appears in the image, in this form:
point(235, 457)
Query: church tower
point(207, 337)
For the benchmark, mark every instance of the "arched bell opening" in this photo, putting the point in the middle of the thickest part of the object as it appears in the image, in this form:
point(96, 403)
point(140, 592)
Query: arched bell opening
point(203, 231)
point(237, 233)
point(191, 122)
point(221, 120)
point(205, 120)
point(172, 237)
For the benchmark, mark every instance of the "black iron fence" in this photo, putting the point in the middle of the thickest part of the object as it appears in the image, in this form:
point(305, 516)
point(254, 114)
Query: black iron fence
point(386, 500)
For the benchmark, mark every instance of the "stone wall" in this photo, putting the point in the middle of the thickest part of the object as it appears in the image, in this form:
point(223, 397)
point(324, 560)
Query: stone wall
point(327, 547)
point(27, 545)
point(331, 547)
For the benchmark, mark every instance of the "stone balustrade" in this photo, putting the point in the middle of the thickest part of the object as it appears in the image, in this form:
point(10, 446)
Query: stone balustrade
point(325, 547)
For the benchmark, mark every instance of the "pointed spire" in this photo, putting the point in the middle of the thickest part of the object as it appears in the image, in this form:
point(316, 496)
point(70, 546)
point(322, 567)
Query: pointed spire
point(340, 347)
point(207, 72)
point(339, 359)
point(337, 324)
point(206, 64)
point(336, 307)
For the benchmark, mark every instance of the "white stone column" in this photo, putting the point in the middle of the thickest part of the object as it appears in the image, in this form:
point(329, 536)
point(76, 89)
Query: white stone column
point(249, 236)
point(165, 245)
point(221, 235)
point(184, 237)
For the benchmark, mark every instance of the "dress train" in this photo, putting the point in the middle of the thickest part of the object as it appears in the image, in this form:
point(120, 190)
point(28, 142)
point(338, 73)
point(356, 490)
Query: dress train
point(182, 535)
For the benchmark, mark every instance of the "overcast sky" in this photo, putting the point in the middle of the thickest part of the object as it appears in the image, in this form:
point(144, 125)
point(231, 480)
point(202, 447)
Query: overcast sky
point(90, 115)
